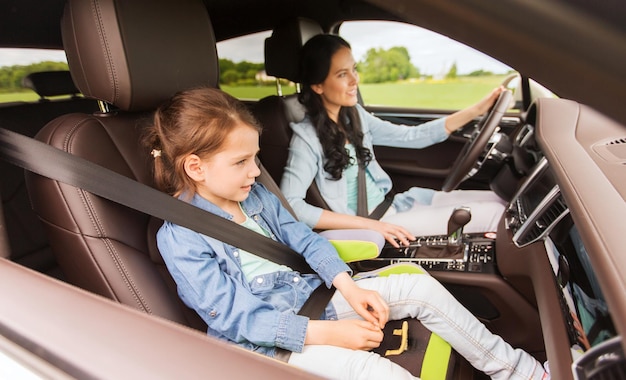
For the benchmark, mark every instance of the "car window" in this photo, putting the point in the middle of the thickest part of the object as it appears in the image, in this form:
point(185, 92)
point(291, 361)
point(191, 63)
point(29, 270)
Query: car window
point(407, 66)
point(242, 68)
point(15, 64)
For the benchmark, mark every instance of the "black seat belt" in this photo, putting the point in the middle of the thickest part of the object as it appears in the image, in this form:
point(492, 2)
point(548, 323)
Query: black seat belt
point(48, 161)
point(362, 209)
point(56, 164)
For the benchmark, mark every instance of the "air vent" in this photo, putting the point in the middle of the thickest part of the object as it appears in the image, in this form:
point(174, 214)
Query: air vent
point(541, 221)
point(618, 141)
point(525, 134)
point(612, 150)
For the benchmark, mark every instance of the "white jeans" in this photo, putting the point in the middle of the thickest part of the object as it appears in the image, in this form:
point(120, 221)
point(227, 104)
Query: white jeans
point(421, 220)
point(424, 298)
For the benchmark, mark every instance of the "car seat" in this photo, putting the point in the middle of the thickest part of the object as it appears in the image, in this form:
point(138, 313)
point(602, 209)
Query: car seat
point(132, 55)
point(58, 96)
point(51, 83)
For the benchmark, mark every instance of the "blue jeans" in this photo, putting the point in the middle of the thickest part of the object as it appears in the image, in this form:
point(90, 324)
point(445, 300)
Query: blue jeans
point(424, 298)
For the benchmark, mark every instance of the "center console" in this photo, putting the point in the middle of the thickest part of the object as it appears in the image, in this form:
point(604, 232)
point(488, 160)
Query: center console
point(456, 251)
point(475, 254)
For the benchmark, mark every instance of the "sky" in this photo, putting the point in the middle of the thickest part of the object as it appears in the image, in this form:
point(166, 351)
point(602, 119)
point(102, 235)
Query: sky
point(433, 54)
point(11, 57)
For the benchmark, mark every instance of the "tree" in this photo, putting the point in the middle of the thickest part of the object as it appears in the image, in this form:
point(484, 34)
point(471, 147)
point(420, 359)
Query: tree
point(452, 74)
point(230, 76)
point(480, 73)
point(390, 65)
point(243, 72)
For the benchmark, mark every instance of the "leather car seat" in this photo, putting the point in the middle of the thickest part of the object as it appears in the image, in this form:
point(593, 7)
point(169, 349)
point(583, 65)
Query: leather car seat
point(57, 96)
point(133, 55)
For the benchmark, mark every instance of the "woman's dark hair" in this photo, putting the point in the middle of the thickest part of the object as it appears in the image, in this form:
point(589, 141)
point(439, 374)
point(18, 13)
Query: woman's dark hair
point(315, 60)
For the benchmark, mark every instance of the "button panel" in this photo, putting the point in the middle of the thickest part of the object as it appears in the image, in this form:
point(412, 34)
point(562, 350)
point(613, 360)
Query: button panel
point(477, 255)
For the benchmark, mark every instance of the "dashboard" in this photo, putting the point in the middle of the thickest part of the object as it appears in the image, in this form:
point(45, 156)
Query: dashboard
point(571, 203)
point(538, 213)
point(560, 243)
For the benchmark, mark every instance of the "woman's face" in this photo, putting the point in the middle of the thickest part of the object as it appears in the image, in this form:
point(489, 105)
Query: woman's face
point(340, 86)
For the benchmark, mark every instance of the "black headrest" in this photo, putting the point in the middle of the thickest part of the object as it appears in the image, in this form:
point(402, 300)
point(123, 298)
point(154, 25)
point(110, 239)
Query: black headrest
point(50, 83)
point(283, 47)
point(137, 54)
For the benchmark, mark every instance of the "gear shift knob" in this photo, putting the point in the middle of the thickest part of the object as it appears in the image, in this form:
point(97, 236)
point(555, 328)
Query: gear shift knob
point(459, 218)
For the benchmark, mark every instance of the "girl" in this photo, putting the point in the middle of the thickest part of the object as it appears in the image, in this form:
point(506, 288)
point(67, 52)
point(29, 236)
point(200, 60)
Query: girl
point(337, 133)
point(205, 144)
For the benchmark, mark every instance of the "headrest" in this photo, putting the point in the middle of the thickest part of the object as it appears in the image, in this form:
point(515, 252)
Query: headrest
point(137, 54)
point(282, 48)
point(50, 83)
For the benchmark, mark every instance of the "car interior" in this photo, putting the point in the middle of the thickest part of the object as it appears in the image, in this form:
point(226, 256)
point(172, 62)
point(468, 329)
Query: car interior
point(530, 282)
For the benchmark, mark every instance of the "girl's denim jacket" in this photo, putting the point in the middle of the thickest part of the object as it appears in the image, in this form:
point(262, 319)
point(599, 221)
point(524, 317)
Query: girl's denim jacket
point(259, 315)
point(306, 160)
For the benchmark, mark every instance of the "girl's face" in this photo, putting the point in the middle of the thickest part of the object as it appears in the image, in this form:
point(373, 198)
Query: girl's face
point(226, 177)
point(340, 86)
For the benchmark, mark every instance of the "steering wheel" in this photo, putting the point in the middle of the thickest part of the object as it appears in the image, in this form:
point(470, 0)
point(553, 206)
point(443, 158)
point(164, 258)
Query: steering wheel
point(476, 144)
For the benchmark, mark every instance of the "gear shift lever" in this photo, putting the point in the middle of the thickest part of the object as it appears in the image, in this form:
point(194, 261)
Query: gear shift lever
point(454, 246)
point(459, 218)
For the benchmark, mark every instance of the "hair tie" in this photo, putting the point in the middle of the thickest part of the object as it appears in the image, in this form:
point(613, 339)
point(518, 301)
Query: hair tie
point(156, 153)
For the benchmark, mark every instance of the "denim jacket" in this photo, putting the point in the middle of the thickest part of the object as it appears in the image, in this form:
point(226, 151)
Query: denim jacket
point(259, 315)
point(305, 164)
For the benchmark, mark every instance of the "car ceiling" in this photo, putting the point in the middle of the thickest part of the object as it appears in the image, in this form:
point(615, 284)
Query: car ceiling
point(26, 23)
point(35, 23)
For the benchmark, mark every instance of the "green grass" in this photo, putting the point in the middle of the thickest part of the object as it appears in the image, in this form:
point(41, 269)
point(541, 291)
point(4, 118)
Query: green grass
point(18, 97)
point(445, 94)
point(430, 94)
point(436, 94)
point(255, 92)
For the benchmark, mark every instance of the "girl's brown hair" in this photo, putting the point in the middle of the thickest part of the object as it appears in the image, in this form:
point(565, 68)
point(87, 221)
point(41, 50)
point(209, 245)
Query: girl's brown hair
point(195, 121)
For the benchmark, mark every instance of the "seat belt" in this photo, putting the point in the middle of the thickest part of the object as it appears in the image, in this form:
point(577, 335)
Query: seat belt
point(361, 208)
point(56, 164)
point(53, 163)
point(361, 192)
point(383, 206)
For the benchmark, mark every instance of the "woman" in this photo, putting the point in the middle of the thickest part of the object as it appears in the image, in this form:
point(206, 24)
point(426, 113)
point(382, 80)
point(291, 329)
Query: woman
point(337, 134)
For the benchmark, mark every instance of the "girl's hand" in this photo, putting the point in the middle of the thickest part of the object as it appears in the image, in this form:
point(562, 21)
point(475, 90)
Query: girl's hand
point(391, 232)
point(348, 333)
point(367, 303)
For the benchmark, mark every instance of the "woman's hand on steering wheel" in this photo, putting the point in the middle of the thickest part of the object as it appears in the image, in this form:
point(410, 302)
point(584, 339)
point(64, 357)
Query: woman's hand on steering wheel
point(488, 101)
point(485, 128)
